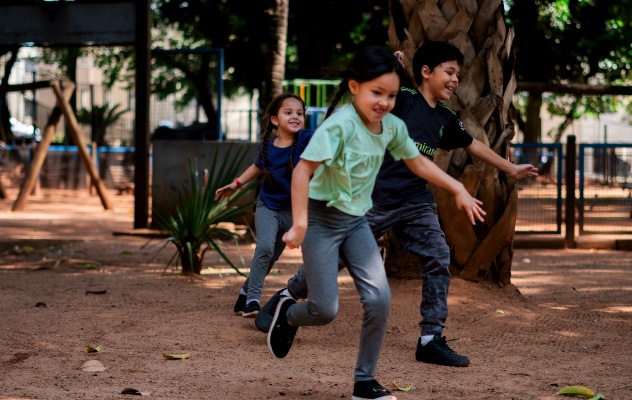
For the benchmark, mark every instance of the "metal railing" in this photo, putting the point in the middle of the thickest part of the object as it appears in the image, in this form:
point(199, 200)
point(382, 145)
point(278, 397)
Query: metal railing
point(605, 188)
point(540, 199)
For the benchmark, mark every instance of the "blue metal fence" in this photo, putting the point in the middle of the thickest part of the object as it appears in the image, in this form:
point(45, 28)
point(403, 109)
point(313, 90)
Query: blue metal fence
point(540, 199)
point(605, 188)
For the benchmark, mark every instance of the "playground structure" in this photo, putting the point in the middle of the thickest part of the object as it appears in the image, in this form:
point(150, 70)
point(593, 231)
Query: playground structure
point(62, 90)
point(113, 22)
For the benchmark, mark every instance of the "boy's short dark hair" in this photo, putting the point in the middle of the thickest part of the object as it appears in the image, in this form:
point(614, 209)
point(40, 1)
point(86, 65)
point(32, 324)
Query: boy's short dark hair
point(433, 53)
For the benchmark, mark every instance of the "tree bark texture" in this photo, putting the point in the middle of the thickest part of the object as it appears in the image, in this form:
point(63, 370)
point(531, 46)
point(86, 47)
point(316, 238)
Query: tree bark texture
point(277, 45)
point(482, 100)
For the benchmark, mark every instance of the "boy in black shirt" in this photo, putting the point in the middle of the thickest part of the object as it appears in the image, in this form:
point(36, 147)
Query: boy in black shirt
point(403, 203)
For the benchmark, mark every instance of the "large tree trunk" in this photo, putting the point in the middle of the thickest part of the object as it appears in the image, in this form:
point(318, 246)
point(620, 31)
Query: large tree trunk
point(277, 45)
point(533, 128)
point(487, 84)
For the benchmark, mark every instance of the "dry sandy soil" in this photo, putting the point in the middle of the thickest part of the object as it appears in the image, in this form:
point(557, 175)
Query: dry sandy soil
point(567, 320)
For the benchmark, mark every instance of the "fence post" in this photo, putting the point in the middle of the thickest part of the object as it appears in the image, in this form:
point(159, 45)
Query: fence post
point(571, 161)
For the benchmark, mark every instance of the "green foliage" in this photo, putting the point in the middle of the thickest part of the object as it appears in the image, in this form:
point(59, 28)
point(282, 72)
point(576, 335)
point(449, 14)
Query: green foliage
point(192, 226)
point(583, 41)
point(240, 29)
point(576, 41)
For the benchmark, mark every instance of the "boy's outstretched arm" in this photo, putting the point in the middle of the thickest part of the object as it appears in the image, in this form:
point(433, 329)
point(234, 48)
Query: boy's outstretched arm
point(427, 170)
point(300, 191)
point(481, 151)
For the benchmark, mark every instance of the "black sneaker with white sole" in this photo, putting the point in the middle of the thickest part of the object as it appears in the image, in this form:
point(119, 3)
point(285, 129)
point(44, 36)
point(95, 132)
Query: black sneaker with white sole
point(266, 314)
point(371, 390)
point(281, 334)
point(438, 352)
point(251, 310)
point(240, 304)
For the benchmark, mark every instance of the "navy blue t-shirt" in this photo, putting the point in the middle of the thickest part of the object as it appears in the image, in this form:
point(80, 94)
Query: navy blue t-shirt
point(275, 188)
point(430, 128)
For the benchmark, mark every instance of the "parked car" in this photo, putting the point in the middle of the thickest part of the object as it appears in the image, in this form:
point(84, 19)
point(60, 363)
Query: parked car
point(24, 133)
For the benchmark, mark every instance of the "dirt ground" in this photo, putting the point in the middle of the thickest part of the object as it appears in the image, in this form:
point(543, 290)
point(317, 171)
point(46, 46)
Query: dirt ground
point(567, 321)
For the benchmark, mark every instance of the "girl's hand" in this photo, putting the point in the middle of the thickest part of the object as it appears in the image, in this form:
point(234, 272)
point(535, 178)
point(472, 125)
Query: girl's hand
point(294, 237)
point(225, 192)
point(524, 171)
point(470, 205)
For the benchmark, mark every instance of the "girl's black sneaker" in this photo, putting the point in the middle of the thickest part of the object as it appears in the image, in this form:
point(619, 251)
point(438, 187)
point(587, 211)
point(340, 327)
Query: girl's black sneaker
point(370, 390)
point(240, 304)
point(281, 334)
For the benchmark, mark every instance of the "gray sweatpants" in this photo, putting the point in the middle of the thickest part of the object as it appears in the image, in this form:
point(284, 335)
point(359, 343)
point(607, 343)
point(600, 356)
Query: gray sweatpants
point(331, 233)
point(417, 227)
point(270, 226)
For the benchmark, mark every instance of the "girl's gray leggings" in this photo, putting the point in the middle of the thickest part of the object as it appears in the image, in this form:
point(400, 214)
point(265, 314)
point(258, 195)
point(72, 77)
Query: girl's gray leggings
point(331, 234)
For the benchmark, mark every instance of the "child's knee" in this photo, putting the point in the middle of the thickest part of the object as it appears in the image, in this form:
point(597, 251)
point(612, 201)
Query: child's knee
point(378, 303)
point(325, 313)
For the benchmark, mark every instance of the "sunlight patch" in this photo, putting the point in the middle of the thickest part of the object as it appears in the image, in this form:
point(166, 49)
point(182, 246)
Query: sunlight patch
point(616, 309)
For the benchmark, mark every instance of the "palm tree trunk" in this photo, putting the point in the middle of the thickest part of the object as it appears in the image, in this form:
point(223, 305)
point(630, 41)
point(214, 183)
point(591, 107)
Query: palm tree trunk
point(277, 45)
point(487, 84)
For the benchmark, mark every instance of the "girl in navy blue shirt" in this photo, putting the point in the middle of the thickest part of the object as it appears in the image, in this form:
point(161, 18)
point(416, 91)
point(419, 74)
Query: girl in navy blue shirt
point(282, 143)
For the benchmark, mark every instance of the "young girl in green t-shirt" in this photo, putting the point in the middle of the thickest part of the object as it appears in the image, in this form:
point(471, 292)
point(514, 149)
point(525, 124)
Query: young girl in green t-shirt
point(331, 192)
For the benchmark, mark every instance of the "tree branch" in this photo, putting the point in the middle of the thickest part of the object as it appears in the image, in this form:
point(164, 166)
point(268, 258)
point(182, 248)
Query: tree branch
point(573, 88)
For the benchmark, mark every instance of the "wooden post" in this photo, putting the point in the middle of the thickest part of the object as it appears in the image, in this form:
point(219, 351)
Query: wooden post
point(141, 116)
point(93, 160)
point(3, 192)
point(571, 155)
point(73, 127)
point(38, 160)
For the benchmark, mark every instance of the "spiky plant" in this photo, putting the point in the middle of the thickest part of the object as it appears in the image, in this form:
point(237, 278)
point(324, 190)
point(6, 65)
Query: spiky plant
point(100, 118)
point(193, 224)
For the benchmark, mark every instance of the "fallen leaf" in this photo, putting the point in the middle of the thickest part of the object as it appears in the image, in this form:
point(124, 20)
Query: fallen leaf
point(402, 389)
point(93, 366)
point(499, 311)
point(91, 349)
point(104, 291)
point(176, 356)
point(576, 391)
point(599, 396)
point(134, 392)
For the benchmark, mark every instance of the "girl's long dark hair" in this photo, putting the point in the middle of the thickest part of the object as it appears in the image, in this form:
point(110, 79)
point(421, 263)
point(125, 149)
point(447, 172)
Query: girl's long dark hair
point(367, 64)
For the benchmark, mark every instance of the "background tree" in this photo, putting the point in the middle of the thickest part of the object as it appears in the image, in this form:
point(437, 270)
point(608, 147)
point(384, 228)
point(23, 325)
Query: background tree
point(482, 99)
point(277, 41)
point(248, 31)
point(570, 41)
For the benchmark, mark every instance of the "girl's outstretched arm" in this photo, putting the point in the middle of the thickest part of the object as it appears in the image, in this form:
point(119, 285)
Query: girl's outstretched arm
point(300, 191)
point(427, 170)
point(247, 176)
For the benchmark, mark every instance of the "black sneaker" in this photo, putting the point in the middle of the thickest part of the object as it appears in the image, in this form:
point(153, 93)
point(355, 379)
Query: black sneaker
point(281, 334)
point(264, 317)
point(370, 390)
point(438, 352)
point(240, 304)
point(251, 310)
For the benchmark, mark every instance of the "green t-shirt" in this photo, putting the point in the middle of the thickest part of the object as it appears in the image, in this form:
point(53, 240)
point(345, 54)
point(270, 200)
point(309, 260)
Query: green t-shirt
point(351, 157)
